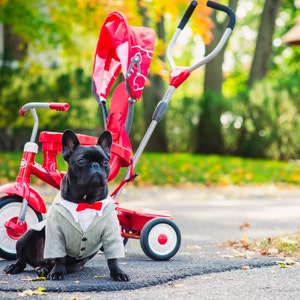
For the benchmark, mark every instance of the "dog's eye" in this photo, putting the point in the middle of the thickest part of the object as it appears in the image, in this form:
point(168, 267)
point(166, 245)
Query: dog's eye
point(105, 163)
point(81, 161)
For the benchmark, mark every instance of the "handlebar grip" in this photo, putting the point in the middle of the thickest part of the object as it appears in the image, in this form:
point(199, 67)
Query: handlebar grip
point(59, 106)
point(22, 111)
point(225, 9)
point(187, 14)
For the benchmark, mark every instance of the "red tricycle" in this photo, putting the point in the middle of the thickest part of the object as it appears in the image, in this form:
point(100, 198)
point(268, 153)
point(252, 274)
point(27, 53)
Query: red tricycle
point(120, 48)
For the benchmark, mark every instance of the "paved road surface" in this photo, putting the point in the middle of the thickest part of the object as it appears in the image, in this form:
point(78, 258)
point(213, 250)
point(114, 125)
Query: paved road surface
point(201, 269)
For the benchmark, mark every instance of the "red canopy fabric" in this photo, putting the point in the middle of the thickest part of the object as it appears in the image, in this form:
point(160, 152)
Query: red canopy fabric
point(128, 49)
point(121, 151)
point(117, 45)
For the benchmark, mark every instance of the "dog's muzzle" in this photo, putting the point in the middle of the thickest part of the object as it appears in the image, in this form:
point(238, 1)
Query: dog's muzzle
point(97, 179)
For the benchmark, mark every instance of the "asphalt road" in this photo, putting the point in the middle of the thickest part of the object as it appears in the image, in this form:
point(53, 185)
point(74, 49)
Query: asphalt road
point(201, 269)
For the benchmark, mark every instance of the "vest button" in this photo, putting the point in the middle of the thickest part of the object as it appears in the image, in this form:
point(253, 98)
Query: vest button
point(84, 239)
point(82, 249)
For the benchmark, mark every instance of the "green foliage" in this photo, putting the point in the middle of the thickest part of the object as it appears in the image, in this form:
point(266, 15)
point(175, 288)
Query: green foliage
point(33, 22)
point(182, 117)
point(20, 86)
point(209, 138)
point(269, 126)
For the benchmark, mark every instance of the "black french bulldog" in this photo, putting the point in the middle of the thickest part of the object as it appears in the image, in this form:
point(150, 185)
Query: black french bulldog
point(81, 220)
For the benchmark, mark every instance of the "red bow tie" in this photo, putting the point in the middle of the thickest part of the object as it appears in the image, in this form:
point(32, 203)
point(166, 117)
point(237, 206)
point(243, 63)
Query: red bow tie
point(83, 206)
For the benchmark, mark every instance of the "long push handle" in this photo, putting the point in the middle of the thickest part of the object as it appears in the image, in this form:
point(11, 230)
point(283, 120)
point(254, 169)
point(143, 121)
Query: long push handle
point(223, 39)
point(187, 14)
point(225, 9)
point(184, 21)
point(180, 74)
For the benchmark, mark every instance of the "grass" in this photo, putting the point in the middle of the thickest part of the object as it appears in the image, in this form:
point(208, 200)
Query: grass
point(183, 169)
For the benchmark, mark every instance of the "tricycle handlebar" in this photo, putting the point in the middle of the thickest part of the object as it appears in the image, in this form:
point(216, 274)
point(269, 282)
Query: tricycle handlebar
point(53, 105)
point(33, 105)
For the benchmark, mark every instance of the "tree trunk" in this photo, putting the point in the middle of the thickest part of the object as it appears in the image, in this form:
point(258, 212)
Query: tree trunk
point(208, 137)
point(14, 48)
point(153, 94)
point(263, 50)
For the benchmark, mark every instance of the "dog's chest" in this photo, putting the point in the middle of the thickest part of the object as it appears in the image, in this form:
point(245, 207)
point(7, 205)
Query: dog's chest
point(85, 217)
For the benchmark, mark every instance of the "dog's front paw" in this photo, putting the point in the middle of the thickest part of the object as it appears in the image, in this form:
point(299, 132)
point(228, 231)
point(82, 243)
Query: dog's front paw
point(42, 271)
point(115, 272)
point(57, 273)
point(14, 268)
point(120, 277)
point(56, 276)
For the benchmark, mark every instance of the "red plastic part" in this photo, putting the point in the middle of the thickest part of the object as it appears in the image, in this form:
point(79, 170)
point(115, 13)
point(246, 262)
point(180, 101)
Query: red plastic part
point(162, 239)
point(14, 228)
point(59, 106)
point(51, 141)
point(25, 191)
point(51, 146)
point(178, 76)
point(22, 112)
point(133, 220)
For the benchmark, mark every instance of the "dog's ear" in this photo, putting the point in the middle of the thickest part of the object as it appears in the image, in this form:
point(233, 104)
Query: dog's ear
point(105, 141)
point(69, 143)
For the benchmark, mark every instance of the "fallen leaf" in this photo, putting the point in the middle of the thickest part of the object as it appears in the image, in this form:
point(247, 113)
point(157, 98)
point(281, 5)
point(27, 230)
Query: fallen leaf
point(176, 285)
point(26, 293)
point(27, 279)
point(245, 240)
point(264, 252)
point(38, 291)
point(290, 262)
point(227, 256)
point(194, 247)
point(244, 226)
point(273, 251)
point(39, 279)
point(287, 263)
point(282, 265)
point(244, 268)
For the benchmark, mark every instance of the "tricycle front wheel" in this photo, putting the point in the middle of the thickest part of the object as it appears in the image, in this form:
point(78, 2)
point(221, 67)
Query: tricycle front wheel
point(10, 230)
point(160, 239)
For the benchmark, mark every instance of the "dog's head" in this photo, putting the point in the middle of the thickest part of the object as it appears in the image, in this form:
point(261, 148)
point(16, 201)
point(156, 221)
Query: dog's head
point(88, 168)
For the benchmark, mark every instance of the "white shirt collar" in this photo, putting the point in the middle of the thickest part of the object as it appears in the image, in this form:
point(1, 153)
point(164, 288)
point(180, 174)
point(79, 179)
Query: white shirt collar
point(84, 217)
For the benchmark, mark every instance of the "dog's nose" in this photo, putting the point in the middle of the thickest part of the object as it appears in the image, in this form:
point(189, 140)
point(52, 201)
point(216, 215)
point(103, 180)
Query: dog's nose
point(95, 165)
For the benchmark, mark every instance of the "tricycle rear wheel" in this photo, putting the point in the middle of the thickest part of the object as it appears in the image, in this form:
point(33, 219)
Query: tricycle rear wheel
point(9, 209)
point(160, 239)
